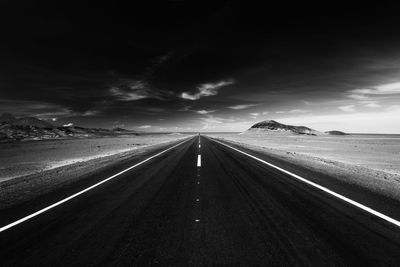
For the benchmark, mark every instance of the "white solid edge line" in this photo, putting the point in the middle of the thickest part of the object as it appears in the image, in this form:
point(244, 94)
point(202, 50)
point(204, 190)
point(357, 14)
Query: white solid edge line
point(348, 200)
point(199, 161)
point(8, 226)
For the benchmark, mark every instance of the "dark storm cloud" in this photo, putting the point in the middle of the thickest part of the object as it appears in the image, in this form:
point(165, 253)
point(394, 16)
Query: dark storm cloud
point(187, 61)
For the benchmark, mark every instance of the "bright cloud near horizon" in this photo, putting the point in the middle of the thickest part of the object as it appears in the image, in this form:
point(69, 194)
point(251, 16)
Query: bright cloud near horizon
point(202, 67)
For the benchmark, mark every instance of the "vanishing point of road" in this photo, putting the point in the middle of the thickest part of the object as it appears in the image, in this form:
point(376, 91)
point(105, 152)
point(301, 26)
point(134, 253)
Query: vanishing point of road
point(203, 202)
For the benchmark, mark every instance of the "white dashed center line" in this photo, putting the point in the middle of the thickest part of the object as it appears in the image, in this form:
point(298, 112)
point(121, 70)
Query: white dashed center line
point(197, 209)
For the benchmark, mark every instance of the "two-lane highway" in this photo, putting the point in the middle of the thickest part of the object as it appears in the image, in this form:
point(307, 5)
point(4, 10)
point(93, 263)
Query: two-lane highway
point(202, 203)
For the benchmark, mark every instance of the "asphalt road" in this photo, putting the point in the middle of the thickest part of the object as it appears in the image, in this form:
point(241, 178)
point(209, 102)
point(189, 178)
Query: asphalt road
point(231, 210)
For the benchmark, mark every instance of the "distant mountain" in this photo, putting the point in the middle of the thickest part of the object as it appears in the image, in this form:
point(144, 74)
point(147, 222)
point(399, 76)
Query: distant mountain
point(336, 133)
point(31, 121)
point(6, 117)
point(25, 121)
point(30, 128)
point(271, 126)
point(119, 129)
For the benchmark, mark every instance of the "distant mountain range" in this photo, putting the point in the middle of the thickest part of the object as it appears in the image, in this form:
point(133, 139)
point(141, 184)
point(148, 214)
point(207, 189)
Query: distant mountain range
point(31, 128)
point(271, 126)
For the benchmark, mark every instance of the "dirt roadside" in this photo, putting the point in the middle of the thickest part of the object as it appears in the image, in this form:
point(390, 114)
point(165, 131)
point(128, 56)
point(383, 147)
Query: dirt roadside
point(25, 188)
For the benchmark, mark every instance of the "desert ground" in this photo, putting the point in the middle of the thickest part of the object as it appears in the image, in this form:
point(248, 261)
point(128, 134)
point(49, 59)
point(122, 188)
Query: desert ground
point(37, 167)
point(370, 161)
point(25, 158)
point(32, 168)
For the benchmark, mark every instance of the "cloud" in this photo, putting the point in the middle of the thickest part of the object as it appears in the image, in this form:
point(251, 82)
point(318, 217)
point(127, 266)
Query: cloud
point(211, 123)
point(371, 104)
point(245, 106)
point(206, 89)
point(393, 108)
point(358, 97)
point(91, 113)
point(185, 95)
point(128, 90)
point(126, 96)
point(384, 89)
point(290, 111)
point(203, 111)
point(144, 126)
point(254, 114)
point(212, 119)
point(298, 111)
point(347, 108)
point(368, 93)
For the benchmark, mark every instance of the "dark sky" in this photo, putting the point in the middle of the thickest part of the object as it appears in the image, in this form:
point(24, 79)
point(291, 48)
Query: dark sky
point(210, 66)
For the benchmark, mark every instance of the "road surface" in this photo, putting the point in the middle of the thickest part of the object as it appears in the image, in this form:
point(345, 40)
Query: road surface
point(201, 203)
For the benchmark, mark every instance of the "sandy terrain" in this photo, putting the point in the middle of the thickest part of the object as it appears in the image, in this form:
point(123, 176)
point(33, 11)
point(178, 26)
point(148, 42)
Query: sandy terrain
point(23, 188)
point(370, 161)
point(38, 167)
point(25, 158)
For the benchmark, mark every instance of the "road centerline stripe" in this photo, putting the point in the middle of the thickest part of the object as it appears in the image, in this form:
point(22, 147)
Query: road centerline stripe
point(10, 225)
point(320, 187)
point(199, 160)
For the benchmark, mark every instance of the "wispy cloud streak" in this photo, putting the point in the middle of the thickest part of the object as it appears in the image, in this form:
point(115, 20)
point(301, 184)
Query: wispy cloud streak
point(128, 90)
point(245, 106)
point(206, 89)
